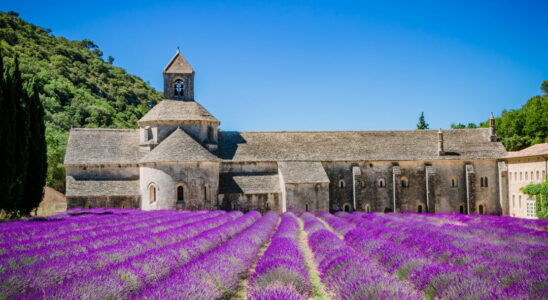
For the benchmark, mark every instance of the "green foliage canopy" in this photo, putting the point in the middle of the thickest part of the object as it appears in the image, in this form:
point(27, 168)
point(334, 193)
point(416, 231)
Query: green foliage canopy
point(540, 192)
point(75, 85)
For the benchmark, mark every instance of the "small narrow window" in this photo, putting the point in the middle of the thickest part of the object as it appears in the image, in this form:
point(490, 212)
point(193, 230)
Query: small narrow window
point(180, 195)
point(419, 209)
point(306, 207)
point(485, 182)
point(532, 178)
point(461, 208)
point(267, 206)
point(342, 184)
point(480, 209)
point(210, 134)
point(520, 176)
point(526, 176)
point(543, 175)
point(152, 194)
point(481, 180)
point(519, 201)
point(381, 183)
point(206, 193)
point(515, 176)
point(404, 182)
point(454, 182)
point(367, 208)
point(513, 201)
point(510, 176)
point(234, 205)
point(538, 175)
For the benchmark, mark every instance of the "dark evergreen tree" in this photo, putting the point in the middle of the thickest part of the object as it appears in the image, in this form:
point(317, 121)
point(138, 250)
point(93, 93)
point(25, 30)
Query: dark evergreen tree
point(7, 133)
point(21, 139)
point(37, 153)
point(422, 123)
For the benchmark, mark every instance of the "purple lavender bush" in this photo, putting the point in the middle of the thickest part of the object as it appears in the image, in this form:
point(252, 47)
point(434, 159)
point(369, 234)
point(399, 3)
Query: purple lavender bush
point(282, 265)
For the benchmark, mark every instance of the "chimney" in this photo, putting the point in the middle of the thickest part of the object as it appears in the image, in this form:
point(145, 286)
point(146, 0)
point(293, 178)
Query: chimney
point(440, 143)
point(492, 129)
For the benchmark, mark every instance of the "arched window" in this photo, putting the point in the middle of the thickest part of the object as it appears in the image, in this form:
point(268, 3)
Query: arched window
point(526, 176)
point(234, 205)
point(180, 195)
point(519, 201)
point(381, 183)
point(513, 201)
point(532, 176)
point(367, 208)
point(538, 175)
point(510, 176)
point(419, 209)
point(485, 182)
point(480, 209)
point(404, 182)
point(178, 88)
point(152, 193)
point(515, 176)
point(346, 207)
point(306, 207)
point(267, 205)
point(520, 176)
point(454, 181)
point(461, 208)
point(342, 184)
point(481, 180)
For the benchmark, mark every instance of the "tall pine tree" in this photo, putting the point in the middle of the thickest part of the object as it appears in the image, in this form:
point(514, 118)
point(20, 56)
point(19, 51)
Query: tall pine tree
point(24, 159)
point(37, 153)
point(21, 139)
point(7, 132)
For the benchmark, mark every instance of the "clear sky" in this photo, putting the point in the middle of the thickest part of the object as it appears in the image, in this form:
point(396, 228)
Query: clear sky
point(324, 65)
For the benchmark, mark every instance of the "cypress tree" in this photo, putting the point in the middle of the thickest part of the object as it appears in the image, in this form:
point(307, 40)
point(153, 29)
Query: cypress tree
point(37, 153)
point(7, 132)
point(21, 139)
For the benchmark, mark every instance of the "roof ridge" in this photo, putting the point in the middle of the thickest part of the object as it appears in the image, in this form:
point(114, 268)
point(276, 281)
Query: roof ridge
point(335, 131)
point(104, 129)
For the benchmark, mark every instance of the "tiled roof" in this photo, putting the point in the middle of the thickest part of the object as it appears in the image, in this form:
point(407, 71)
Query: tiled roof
point(177, 110)
point(303, 172)
point(102, 146)
point(178, 147)
point(101, 188)
point(357, 145)
point(535, 150)
point(249, 184)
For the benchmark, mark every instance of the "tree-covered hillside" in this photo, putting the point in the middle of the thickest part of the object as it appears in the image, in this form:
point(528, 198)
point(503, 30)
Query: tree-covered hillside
point(77, 87)
point(521, 128)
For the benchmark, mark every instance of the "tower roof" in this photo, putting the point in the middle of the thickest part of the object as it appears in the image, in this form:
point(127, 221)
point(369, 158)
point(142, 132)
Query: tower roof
point(178, 64)
point(179, 147)
point(174, 110)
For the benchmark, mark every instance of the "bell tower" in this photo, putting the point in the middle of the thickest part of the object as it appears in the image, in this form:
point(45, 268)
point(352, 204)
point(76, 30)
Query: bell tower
point(178, 79)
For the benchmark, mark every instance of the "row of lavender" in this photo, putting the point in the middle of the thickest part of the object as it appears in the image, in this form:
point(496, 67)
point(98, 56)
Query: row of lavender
point(172, 255)
point(45, 270)
point(441, 256)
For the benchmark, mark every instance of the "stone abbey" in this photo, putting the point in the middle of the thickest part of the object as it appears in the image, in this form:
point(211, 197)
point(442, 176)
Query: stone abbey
point(178, 158)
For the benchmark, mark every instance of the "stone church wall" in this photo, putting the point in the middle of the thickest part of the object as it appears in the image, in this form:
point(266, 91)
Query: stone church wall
point(247, 202)
point(109, 202)
point(443, 198)
point(312, 197)
point(193, 177)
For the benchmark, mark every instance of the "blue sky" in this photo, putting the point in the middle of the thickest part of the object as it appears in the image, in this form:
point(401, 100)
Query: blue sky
point(324, 65)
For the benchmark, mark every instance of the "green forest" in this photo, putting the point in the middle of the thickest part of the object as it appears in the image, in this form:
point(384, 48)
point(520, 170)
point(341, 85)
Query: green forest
point(77, 86)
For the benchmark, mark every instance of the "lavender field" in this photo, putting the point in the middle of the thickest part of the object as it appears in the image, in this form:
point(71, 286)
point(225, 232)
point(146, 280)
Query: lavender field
point(133, 254)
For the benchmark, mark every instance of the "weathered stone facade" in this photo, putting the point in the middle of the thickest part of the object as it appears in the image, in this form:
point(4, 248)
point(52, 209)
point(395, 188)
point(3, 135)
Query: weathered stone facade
point(178, 159)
